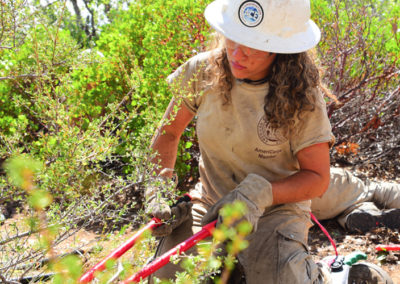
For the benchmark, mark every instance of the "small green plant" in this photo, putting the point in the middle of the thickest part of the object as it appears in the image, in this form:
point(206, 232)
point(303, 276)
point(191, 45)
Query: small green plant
point(216, 258)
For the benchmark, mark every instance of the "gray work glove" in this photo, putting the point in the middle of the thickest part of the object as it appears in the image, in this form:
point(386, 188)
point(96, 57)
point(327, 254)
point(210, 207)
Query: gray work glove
point(255, 191)
point(159, 207)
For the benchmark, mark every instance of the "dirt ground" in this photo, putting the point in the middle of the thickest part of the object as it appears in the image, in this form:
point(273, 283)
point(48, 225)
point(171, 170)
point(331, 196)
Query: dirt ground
point(319, 244)
point(346, 243)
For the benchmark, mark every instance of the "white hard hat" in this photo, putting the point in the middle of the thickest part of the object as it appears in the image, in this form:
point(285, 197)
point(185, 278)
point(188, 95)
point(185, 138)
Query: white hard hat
point(278, 26)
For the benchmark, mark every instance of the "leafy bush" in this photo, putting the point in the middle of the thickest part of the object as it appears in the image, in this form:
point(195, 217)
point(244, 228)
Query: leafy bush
point(360, 54)
point(87, 118)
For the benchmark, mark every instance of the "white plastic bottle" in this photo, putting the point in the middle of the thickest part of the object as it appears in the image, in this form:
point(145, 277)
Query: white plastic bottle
point(340, 271)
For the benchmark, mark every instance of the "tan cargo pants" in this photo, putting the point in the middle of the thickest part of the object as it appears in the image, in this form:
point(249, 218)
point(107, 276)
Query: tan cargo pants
point(277, 251)
point(347, 193)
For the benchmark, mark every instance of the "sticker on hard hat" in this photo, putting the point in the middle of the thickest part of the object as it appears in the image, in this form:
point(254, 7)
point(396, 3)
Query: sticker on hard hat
point(251, 13)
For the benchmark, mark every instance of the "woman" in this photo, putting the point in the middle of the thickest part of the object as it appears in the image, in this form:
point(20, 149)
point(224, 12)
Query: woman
point(263, 133)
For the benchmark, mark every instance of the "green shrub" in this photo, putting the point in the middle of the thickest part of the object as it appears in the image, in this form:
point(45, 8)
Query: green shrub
point(360, 54)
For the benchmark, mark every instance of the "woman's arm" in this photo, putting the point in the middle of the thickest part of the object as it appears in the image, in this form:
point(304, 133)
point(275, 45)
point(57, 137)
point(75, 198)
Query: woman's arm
point(258, 193)
point(311, 181)
point(165, 141)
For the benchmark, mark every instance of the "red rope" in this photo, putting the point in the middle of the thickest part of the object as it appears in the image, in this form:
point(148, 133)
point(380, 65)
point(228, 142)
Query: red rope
point(327, 234)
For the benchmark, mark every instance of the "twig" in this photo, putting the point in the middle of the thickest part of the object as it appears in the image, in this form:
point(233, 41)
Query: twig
point(74, 221)
point(93, 33)
point(28, 233)
point(5, 281)
point(123, 101)
point(21, 76)
point(32, 279)
point(46, 260)
point(19, 236)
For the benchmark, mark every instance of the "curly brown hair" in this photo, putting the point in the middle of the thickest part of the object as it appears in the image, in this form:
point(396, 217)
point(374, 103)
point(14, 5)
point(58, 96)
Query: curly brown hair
point(291, 81)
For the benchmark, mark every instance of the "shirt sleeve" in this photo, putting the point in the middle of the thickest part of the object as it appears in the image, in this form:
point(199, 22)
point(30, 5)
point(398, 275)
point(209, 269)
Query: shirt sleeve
point(313, 127)
point(187, 81)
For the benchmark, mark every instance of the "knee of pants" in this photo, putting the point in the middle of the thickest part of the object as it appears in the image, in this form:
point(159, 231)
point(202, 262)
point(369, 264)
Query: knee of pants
point(278, 253)
point(386, 194)
point(295, 264)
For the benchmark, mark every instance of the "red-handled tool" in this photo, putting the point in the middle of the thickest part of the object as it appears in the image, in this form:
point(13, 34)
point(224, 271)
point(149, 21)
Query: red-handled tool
point(387, 247)
point(89, 276)
point(156, 264)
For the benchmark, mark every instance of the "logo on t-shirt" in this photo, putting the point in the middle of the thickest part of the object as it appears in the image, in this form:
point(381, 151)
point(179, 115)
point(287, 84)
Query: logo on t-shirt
point(268, 135)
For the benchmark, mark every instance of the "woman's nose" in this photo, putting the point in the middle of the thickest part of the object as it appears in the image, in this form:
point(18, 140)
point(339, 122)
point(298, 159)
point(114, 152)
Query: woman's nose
point(238, 53)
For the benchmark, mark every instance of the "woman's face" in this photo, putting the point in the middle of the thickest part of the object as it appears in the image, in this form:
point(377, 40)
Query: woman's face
point(248, 63)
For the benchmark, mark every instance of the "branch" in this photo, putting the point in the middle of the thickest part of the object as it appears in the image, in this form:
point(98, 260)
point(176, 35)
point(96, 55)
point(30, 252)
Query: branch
point(2, 22)
point(21, 76)
point(51, 3)
point(77, 13)
point(32, 279)
point(93, 33)
point(19, 236)
point(44, 261)
point(123, 101)
point(4, 280)
point(72, 221)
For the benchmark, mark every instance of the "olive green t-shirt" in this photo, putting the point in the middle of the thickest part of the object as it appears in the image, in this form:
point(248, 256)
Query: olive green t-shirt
point(235, 138)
